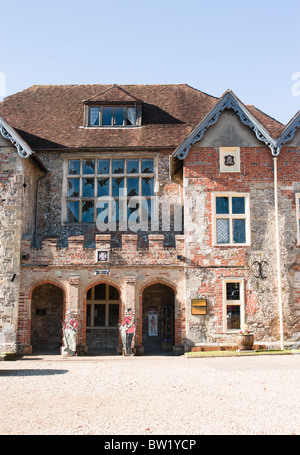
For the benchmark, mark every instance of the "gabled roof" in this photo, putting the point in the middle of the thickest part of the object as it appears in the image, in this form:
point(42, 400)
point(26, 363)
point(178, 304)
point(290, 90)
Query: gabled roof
point(113, 95)
point(227, 101)
point(52, 117)
point(10, 134)
point(289, 131)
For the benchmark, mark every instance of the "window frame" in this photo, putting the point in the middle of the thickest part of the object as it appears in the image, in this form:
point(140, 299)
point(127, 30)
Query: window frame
point(112, 106)
point(92, 302)
point(231, 216)
point(240, 303)
point(110, 176)
point(297, 201)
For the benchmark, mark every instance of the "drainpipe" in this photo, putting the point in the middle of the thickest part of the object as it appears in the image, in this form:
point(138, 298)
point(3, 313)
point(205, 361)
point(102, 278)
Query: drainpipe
point(278, 254)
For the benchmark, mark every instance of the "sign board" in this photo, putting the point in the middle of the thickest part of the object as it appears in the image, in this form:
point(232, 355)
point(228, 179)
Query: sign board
point(102, 272)
point(199, 306)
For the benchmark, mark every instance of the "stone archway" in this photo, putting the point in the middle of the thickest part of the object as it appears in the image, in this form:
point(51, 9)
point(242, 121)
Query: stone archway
point(47, 309)
point(158, 319)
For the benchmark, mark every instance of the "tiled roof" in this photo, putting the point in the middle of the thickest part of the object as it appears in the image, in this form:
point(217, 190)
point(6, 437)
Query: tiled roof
point(52, 117)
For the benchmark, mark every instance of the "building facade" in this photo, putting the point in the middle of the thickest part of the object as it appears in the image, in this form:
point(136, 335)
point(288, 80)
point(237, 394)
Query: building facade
point(163, 199)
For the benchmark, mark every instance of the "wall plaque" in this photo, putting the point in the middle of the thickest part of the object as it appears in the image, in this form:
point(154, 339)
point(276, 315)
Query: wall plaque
point(199, 306)
point(102, 256)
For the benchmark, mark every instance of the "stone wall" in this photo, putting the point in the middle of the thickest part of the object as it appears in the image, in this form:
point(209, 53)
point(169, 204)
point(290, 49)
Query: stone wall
point(11, 189)
point(50, 223)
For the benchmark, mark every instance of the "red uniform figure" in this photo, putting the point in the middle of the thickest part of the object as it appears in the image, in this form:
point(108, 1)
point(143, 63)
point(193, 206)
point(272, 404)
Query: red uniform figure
point(128, 325)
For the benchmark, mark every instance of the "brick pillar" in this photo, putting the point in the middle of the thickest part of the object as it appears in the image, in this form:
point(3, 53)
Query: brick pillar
point(74, 304)
point(130, 302)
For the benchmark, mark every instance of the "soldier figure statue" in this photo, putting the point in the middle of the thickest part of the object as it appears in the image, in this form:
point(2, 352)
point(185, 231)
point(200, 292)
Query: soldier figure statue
point(70, 327)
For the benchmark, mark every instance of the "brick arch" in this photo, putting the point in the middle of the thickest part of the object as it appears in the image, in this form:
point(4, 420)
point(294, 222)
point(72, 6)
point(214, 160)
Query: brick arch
point(46, 281)
point(93, 283)
point(170, 284)
point(24, 323)
point(102, 280)
point(149, 283)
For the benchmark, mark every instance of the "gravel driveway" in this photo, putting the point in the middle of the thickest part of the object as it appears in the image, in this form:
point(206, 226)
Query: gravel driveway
point(150, 395)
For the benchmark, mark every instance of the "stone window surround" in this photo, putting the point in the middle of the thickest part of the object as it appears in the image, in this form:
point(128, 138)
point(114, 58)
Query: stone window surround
point(109, 155)
point(240, 302)
point(230, 194)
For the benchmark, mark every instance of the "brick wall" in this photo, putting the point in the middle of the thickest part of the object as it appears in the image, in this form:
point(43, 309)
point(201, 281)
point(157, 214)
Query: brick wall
point(209, 265)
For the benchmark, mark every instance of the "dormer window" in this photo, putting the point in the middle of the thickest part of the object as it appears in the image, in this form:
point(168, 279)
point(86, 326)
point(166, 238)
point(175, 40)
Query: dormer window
point(112, 116)
point(114, 107)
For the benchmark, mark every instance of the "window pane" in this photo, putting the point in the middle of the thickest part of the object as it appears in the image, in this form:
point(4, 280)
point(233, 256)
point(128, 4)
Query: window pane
point(99, 315)
point(88, 187)
point(113, 293)
point(74, 167)
point(107, 116)
point(146, 209)
point(133, 166)
point(222, 231)
point(131, 116)
point(102, 213)
point(100, 292)
point(88, 166)
point(116, 211)
point(113, 317)
point(147, 166)
point(118, 187)
point(88, 211)
point(233, 317)
point(239, 231)
point(73, 211)
point(133, 210)
point(94, 116)
point(222, 205)
point(118, 166)
point(147, 186)
point(232, 291)
point(132, 186)
point(73, 187)
point(118, 115)
point(103, 187)
point(238, 205)
point(103, 166)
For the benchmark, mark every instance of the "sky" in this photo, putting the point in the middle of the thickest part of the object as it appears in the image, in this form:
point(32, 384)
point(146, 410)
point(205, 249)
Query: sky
point(252, 48)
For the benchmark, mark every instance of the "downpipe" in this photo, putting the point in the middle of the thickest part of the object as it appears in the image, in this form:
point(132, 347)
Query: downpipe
point(278, 255)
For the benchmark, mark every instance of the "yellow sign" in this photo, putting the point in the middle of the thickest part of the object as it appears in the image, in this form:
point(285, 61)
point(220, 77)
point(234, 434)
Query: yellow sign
point(199, 306)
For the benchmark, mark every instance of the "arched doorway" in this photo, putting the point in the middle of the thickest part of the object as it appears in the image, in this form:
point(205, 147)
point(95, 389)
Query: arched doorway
point(158, 327)
point(47, 306)
point(102, 318)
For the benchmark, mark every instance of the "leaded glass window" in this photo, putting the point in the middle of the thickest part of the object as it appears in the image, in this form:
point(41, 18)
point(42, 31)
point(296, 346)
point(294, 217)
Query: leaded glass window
point(231, 219)
point(124, 186)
